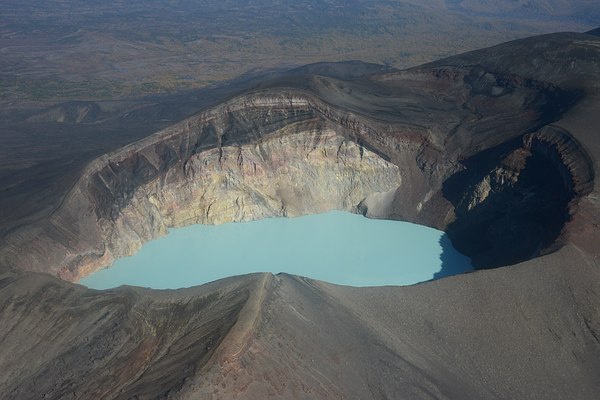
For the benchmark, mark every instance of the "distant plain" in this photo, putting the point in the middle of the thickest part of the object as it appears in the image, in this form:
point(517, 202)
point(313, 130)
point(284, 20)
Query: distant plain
point(82, 78)
point(64, 49)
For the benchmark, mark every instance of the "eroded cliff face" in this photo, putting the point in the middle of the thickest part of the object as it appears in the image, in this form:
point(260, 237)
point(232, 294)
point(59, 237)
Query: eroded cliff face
point(515, 202)
point(280, 176)
point(294, 164)
point(442, 147)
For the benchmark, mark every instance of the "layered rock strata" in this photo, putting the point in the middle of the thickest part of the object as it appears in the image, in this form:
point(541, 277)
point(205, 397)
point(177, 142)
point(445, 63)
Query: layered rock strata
point(295, 164)
point(360, 146)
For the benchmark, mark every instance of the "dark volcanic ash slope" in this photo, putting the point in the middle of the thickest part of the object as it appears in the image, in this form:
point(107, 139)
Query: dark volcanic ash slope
point(496, 147)
point(524, 332)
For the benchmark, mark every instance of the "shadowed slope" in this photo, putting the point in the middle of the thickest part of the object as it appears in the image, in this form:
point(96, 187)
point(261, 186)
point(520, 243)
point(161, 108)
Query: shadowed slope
point(121, 343)
point(533, 333)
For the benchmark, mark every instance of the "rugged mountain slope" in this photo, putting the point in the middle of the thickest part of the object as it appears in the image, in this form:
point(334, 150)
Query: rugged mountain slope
point(393, 145)
point(43, 149)
point(489, 146)
point(490, 336)
point(530, 331)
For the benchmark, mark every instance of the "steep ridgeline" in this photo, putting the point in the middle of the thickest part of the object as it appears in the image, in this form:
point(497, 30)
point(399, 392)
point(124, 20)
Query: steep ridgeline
point(519, 333)
point(389, 146)
point(125, 343)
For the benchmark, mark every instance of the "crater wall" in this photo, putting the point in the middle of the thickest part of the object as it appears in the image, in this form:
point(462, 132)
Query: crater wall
point(402, 146)
point(271, 159)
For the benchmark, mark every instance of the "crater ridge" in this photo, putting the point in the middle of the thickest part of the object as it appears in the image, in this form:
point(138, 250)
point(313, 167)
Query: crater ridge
point(392, 145)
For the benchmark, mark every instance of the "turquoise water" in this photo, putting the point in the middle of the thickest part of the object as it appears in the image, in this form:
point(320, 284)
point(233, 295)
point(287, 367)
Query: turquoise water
point(336, 247)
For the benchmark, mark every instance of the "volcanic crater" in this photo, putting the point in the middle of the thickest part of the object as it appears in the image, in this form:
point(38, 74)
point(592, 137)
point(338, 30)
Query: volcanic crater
point(499, 156)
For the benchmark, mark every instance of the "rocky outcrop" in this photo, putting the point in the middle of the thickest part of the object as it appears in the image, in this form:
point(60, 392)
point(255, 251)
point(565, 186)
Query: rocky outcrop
point(575, 165)
point(513, 203)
